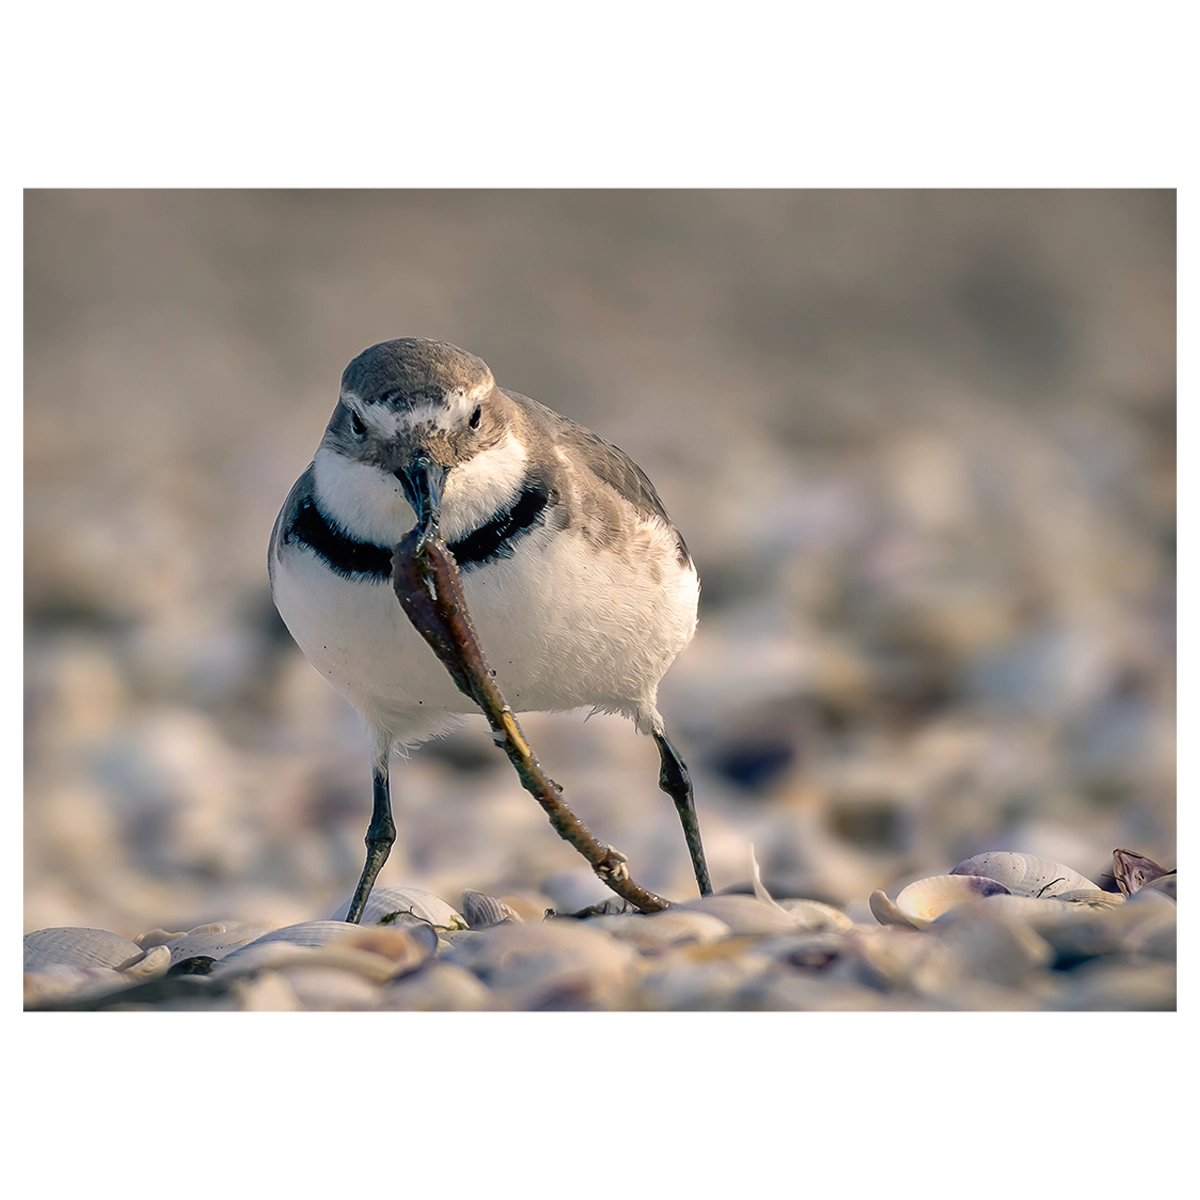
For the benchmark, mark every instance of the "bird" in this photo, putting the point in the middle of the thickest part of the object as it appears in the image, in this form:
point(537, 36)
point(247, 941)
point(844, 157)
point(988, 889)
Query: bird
point(580, 587)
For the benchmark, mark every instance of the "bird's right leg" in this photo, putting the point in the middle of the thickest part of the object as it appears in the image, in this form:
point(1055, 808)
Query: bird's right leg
point(381, 834)
point(677, 783)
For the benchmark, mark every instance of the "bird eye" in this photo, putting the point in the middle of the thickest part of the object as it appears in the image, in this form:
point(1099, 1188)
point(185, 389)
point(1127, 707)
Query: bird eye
point(356, 424)
point(476, 415)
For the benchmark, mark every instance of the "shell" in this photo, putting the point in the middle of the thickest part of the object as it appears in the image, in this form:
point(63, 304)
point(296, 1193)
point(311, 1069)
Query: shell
point(1024, 874)
point(218, 939)
point(58, 981)
point(805, 914)
point(743, 914)
point(482, 911)
point(77, 947)
point(1091, 896)
point(150, 964)
point(815, 917)
point(1039, 911)
point(406, 905)
point(760, 888)
point(374, 953)
point(1166, 884)
point(1133, 871)
point(308, 933)
point(923, 901)
point(157, 937)
point(886, 913)
point(995, 951)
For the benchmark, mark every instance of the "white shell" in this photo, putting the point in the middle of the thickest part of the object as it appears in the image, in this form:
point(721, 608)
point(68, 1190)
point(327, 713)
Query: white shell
point(1035, 910)
point(375, 953)
point(1024, 874)
point(743, 914)
point(150, 964)
point(922, 902)
point(886, 912)
point(308, 933)
point(57, 981)
point(78, 947)
point(217, 939)
point(481, 911)
point(403, 905)
point(1093, 897)
point(815, 917)
point(1166, 884)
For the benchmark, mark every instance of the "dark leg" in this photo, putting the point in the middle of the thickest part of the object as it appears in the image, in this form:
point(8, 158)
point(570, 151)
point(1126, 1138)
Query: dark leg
point(381, 833)
point(677, 783)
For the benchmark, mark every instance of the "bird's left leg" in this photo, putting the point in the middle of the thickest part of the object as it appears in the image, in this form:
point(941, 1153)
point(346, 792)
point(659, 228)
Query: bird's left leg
point(674, 779)
point(381, 833)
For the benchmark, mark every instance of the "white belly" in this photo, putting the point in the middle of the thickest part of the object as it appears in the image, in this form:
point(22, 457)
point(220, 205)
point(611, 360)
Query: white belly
point(564, 624)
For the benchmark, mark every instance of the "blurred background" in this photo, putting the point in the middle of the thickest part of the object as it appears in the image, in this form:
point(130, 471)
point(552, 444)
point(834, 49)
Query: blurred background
point(921, 445)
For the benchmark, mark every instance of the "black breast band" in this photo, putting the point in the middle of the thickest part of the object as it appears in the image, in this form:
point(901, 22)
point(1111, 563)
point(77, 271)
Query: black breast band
point(364, 560)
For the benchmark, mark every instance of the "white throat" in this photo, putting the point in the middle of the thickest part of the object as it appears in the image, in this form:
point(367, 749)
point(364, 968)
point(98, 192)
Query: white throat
point(366, 502)
point(479, 488)
point(369, 504)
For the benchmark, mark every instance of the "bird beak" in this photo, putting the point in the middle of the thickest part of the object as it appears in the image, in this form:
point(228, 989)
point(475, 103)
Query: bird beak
point(422, 482)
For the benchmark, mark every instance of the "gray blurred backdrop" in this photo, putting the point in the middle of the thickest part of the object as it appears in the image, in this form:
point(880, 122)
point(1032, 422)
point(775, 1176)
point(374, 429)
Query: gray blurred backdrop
point(921, 445)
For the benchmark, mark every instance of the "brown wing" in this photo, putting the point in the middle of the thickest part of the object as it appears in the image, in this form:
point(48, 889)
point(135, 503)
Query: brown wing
point(611, 465)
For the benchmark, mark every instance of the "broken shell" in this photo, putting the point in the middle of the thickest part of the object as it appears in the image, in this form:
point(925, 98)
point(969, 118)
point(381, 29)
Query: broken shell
point(886, 913)
point(158, 937)
point(404, 906)
point(482, 911)
point(922, 902)
point(1024, 874)
point(78, 947)
point(149, 964)
point(760, 888)
point(1133, 871)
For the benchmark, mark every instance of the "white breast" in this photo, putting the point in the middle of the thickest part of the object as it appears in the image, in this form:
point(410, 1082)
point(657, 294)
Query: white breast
point(563, 623)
